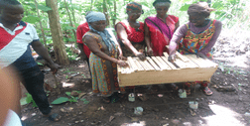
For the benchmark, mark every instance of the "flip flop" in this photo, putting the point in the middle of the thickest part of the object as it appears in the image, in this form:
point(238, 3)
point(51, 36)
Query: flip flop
point(207, 91)
point(54, 117)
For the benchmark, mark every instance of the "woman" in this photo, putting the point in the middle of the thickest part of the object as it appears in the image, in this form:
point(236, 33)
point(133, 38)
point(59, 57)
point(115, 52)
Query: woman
point(160, 28)
point(198, 37)
point(103, 57)
point(130, 32)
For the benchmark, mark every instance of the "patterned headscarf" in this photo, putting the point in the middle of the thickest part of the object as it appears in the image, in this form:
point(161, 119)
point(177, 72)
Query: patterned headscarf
point(106, 37)
point(134, 6)
point(200, 8)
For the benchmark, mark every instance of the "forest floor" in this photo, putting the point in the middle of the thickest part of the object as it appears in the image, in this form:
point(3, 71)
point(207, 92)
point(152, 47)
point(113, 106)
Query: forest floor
point(226, 107)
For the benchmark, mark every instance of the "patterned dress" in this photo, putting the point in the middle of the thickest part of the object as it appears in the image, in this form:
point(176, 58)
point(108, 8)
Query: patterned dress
point(136, 37)
point(192, 43)
point(104, 72)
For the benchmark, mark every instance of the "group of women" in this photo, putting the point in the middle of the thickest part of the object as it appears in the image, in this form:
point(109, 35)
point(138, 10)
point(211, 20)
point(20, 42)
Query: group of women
point(149, 38)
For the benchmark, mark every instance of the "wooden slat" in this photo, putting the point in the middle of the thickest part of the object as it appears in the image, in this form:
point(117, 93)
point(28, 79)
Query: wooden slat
point(145, 65)
point(132, 64)
point(183, 58)
point(148, 65)
point(158, 63)
point(140, 68)
point(199, 61)
point(169, 63)
point(180, 63)
point(163, 63)
point(141, 63)
point(153, 64)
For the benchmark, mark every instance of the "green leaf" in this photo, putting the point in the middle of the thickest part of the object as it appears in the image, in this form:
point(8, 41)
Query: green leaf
point(185, 7)
point(60, 100)
point(23, 101)
point(31, 19)
point(68, 93)
point(69, 28)
point(44, 8)
point(85, 102)
point(40, 64)
point(28, 98)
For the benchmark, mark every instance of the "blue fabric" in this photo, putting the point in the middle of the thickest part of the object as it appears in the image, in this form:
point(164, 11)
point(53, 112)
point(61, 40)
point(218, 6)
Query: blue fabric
point(95, 16)
point(26, 61)
point(106, 37)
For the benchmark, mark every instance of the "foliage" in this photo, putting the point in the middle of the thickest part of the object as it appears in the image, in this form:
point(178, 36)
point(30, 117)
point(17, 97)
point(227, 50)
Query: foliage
point(233, 14)
point(60, 100)
point(29, 99)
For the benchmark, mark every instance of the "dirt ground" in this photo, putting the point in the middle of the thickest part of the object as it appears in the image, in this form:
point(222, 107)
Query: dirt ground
point(226, 107)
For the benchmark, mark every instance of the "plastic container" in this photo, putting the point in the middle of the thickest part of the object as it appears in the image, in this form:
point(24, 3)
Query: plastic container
point(182, 93)
point(131, 97)
point(138, 110)
point(193, 104)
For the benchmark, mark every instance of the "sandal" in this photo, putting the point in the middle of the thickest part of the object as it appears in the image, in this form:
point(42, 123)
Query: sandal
point(119, 95)
point(188, 91)
point(53, 117)
point(106, 100)
point(174, 86)
point(207, 91)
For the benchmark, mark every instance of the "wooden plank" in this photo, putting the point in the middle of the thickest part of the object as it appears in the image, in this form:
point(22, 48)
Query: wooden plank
point(151, 68)
point(142, 64)
point(163, 63)
point(146, 65)
point(199, 61)
point(180, 63)
point(153, 64)
point(140, 68)
point(158, 63)
point(132, 64)
point(183, 58)
point(165, 59)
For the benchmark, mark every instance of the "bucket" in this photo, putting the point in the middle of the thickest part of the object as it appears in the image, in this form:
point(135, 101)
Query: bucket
point(182, 93)
point(131, 97)
point(193, 104)
point(138, 110)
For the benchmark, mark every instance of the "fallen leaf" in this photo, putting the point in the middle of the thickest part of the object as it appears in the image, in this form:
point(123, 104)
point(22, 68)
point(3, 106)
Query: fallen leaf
point(118, 114)
point(82, 94)
point(111, 118)
point(134, 119)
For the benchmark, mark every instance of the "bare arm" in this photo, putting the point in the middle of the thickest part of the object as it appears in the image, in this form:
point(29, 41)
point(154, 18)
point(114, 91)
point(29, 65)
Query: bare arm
point(147, 39)
point(177, 25)
point(94, 48)
point(121, 32)
point(83, 55)
point(42, 51)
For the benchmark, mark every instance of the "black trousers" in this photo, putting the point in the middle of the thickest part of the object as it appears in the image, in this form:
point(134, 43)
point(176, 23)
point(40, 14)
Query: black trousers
point(33, 80)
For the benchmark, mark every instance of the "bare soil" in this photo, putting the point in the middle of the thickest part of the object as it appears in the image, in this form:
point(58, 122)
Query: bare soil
point(224, 107)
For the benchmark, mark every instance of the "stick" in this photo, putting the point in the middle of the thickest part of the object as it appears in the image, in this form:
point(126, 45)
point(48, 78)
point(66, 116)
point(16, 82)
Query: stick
point(57, 85)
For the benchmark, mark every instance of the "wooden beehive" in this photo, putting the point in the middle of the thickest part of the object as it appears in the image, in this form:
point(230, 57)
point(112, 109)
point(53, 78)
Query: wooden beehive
point(158, 70)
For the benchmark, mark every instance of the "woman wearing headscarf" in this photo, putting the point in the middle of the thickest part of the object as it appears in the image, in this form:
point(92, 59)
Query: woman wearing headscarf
point(160, 28)
point(130, 32)
point(103, 58)
point(198, 36)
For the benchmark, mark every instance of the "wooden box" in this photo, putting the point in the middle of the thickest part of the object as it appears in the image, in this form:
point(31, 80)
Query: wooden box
point(158, 70)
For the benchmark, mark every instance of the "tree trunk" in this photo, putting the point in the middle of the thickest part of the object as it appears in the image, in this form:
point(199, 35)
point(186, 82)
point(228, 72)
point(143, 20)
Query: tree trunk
point(56, 32)
point(41, 26)
point(91, 5)
point(70, 19)
point(105, 11)
point(114, 16)
point(73, 12)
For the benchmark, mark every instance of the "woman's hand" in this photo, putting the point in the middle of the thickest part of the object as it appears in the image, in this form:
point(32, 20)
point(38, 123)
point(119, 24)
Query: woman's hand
point(141, 56)
point(122, 63)
point(171, 57)
point(150, 51)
